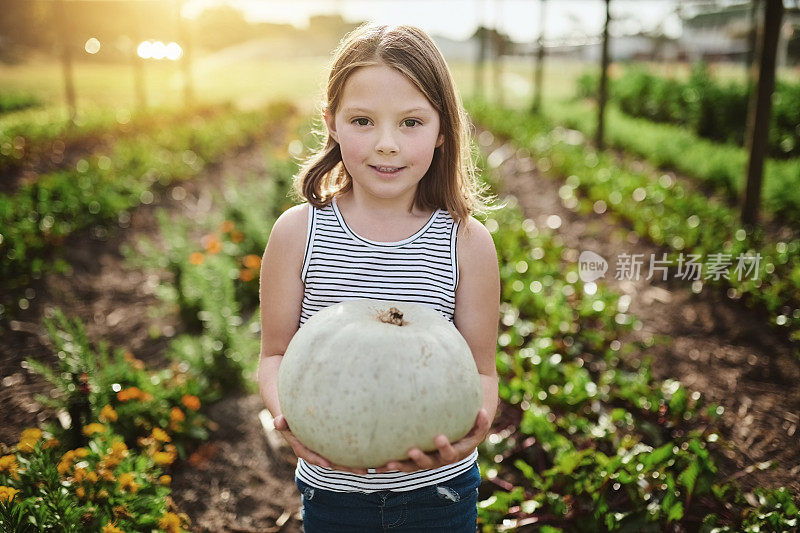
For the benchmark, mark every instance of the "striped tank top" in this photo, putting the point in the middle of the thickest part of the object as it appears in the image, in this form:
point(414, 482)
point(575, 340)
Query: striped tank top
point(340, 265)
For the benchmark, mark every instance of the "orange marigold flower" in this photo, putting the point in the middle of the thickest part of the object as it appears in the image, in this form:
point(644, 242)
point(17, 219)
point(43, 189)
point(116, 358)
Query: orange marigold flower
point(107, 475)
point(80, 492)
point(176, 415)
point(160, 434)
point(246, 275)
point(146, 397)
point(211, 243)
point(108, 414)
point(170, 522)
point(165, 479)
point(93, 428)
point(111, 528)
point(127, 482)
point(81, 452)
point(131, 393)
point(237, 236)
point(252, 261)
point(51, 443)
point(226, 226)
point(191, 402)
point(91, 477)
point(7, 493)
point(197, 258)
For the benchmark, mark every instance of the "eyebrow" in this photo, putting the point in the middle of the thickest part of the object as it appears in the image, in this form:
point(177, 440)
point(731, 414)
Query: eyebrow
point(406, 112)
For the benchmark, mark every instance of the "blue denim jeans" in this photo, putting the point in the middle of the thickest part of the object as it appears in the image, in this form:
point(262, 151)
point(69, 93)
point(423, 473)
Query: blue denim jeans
point(450, 506)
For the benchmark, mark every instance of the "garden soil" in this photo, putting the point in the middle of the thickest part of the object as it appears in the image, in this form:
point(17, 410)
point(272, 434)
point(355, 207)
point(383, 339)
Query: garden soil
point(234, 482)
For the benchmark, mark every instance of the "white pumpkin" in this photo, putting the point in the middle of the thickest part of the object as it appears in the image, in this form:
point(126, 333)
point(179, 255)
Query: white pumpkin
point(363, 381)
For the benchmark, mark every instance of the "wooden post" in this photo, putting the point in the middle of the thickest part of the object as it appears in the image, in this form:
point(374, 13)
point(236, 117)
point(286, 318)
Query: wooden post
point(184, 38)
point(66, 59)
point(760, 107)
point(499, 50)
point(137, 62)
point(480, 60)
point(537, 71)
point(603, 96)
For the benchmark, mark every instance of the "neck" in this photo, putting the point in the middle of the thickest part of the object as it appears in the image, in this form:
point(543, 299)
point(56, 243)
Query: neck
point(380, 208)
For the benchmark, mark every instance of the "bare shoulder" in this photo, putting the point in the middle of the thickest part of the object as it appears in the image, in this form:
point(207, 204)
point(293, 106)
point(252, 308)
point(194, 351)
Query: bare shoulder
point(288, 234)
point(474, 244)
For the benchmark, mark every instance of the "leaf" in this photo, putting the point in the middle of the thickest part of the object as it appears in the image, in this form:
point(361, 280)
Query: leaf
point(689, 476)
point(675, 512)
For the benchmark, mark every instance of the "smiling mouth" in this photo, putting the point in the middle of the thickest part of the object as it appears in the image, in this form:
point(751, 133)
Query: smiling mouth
point(387, 170)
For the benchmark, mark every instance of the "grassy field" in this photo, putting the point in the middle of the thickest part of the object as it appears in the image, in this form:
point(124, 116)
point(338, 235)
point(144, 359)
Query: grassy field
point(231, 75)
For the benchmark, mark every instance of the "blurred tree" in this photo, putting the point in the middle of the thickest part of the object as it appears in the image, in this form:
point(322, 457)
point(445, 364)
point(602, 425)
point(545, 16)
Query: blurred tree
point(23, 26)
point(221, 26)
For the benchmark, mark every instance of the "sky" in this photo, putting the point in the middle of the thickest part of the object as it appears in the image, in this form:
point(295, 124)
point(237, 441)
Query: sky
point(457, 19)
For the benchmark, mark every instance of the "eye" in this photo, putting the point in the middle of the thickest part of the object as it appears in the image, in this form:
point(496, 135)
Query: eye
point(357, 119)
point(411, 120)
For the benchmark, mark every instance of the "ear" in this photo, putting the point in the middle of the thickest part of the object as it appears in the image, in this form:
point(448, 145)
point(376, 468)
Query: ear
point(330, 122)
point(439, 140)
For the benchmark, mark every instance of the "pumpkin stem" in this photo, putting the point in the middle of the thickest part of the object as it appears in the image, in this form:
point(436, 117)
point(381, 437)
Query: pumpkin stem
point(392, 316)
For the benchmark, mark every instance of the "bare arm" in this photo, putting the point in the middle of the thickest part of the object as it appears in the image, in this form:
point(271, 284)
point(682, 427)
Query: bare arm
point(281, 295)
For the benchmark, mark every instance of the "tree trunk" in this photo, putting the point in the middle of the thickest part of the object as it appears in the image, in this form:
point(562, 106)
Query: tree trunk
point(760, 108)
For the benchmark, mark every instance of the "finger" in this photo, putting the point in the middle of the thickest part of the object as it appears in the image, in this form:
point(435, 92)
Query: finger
point(280, 423)
point(446, 450)
point(421, 459)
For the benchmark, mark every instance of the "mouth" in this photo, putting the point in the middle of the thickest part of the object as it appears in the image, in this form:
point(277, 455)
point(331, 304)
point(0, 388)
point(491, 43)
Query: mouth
point(386, 170)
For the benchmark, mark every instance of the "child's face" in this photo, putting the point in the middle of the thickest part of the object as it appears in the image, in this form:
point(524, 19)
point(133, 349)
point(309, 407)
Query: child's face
point(384, 120)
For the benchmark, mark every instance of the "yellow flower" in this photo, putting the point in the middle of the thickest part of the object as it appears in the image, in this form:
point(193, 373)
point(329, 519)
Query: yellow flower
point(82, 452)
point(247, 275)
point(163, 458)
point(127, 482)
point(80, 492)
point(191, 402)
point(165, 479)
point(26, 445)
point(197, 258)
point(32, 434)
point(106, 474)
point(7, 493)
point(108, 414)
point(80, 474)
point(160, 434)
point(51, 443)
point(8, 463)
point(226, 226)
point(111, 528)
point(93, 428)
point(170, 522)
point(92, 477)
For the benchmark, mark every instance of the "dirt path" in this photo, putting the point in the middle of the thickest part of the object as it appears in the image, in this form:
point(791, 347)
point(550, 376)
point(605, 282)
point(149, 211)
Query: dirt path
point(718, 347)
point(231, 484)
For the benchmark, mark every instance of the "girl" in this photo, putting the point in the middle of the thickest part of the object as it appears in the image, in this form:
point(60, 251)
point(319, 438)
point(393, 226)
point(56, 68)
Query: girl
point(389, 199)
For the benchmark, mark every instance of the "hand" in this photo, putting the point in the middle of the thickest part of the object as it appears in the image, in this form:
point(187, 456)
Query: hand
point(309, 456)
point(446, 452)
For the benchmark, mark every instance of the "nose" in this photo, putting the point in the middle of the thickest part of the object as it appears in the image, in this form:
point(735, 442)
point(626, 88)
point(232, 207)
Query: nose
point(386, 142)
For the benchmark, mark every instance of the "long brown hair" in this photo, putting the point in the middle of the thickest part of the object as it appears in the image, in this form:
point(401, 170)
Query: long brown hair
point(451, 181)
